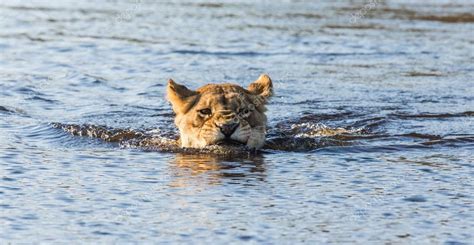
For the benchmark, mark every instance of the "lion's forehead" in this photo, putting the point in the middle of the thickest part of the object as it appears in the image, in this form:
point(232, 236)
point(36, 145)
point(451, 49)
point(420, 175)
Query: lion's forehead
point(221, 88)
point(229, 100)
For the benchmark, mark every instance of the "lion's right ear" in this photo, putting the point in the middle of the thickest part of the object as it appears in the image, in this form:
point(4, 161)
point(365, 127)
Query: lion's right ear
point(180, 97)
point(262, 87)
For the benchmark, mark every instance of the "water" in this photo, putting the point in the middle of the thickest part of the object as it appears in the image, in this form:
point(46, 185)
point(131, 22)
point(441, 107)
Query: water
point(371, 133)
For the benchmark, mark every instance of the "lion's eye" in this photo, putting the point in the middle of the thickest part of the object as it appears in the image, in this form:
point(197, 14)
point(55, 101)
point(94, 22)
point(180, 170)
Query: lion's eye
point(205, 111)
point(244, 111)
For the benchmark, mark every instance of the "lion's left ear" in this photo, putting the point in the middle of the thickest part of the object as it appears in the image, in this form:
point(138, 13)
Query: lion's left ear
point(262, 86)
point(180, 97)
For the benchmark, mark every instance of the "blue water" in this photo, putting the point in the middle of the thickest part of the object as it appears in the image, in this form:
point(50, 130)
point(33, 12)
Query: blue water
point(395, 76)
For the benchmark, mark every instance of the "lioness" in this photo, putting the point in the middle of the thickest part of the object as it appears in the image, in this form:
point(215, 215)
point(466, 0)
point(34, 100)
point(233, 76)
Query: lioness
point(221, 113)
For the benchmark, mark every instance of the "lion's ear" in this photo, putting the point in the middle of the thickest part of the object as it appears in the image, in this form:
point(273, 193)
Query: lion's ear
point(262, 86)
point(180, 97)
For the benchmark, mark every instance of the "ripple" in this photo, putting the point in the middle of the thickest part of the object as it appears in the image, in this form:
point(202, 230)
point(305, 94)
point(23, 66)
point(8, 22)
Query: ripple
point(39, 98)
point(434, 115)
point(416, 198)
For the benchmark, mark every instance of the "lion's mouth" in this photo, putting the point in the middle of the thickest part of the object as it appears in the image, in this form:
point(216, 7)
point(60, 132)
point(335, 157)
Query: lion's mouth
point(230, 142)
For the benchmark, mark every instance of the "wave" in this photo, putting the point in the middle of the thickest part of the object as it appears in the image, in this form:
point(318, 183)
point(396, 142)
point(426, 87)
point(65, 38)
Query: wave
point(304, 134)
point(300, 137)
point(433, 115)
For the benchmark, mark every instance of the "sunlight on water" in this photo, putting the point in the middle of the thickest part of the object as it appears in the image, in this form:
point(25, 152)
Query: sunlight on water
point(370, 136)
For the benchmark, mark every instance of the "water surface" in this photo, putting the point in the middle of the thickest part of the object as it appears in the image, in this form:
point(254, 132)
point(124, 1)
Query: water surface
point(371, 130)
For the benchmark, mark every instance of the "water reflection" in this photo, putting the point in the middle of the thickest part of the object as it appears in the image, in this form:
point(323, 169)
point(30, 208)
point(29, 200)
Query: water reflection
point(192, 169)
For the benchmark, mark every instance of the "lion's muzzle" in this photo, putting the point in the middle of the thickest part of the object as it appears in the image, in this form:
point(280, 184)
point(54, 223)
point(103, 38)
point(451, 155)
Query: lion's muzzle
point(227, 122)
point(228, 129)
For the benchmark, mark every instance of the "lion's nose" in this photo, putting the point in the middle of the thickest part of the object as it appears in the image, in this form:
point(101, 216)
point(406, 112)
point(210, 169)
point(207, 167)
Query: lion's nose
point(228, 129)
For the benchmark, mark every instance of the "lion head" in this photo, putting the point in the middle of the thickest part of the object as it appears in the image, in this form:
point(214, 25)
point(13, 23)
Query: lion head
point(221, 113)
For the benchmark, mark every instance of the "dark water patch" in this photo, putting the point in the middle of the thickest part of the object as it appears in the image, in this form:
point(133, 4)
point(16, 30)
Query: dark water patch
point(426, 170)
point(9, 188)
point(5, 206)
point(455, 243)
point(102, 233)
point(424, 162)
point(268, 54)
point(432, 115)
point(412, 14)
point(29, 91)
point(416, 198)
point(452, 141)
point(313, 117)
point(359, 27)
point(220, 53)
point(246, 238)
point(367, 148)
point(421, 136)
point(164, 114)
point(29, 37)
point(157, 85)
point(40, 98)
point(370, 124)
point(335, 54)
point(93, 79)
point(58, 9)
point(265, 27)
point(423, 74)
point(29, 217)
point(304, 102)
point(112, 38)
point(304, 15)
point(210, 5)
point(454, 18)
point(148, 108)
point(6, 110)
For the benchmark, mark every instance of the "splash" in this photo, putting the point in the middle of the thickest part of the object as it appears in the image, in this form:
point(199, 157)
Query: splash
point(311, 130)
point(305, 136)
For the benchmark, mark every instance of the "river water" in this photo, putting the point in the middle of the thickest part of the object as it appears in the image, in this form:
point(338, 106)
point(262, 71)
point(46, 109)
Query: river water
point(371, 129)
